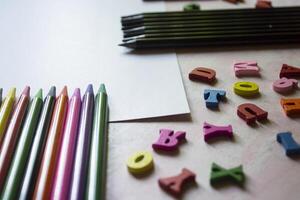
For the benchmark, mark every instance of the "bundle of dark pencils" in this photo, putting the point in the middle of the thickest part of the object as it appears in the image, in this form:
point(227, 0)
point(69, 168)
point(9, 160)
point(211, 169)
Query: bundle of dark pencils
point(212, 27)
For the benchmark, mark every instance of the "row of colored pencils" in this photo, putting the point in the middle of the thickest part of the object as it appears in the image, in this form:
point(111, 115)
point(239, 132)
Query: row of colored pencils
point(54, 148)
point(211, 27)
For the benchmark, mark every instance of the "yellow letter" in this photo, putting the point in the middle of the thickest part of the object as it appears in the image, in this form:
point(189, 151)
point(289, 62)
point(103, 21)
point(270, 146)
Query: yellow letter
point(140, 162)
point(246, 88)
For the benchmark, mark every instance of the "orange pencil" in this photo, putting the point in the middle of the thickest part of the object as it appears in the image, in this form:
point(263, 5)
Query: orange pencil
point(47, 168)
point(12, 135)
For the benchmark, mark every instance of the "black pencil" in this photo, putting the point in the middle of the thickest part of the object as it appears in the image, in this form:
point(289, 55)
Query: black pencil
point(240, 16)
point(214, 27)
point(201, 23)
point(209, 13)
point(214, 33)
point(215, 40)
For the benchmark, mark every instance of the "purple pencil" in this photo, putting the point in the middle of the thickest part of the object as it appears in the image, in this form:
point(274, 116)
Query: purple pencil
point(82, 148)
point(63, 173)
point(83, 144)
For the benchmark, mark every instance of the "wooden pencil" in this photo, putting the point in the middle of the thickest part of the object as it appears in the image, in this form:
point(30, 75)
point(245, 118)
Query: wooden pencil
point(47, 168)
point(96, 177)
point(214, 29)
point(209, 12)
point(83, 145)
point(5, 113)
point(12, 135)
point(214, 22)
point(228, 16)
point(208, 28)
point(18, 166)
point(38, 146)
point(215, 40)
point(63, 173)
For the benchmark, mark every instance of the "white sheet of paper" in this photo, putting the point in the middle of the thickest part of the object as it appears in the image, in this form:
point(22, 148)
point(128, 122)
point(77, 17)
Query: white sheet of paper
point(74, 43)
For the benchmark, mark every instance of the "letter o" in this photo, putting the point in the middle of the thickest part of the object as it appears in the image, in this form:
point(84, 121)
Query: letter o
point(140, 162)
point(246, 88)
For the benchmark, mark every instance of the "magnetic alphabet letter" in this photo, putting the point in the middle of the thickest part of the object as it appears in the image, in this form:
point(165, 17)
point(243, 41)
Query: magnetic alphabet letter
point(174, 185)
point(212, 97)
point(290, 145)
point(211, 131)
point(246, 68)
point(250, 113)
point(168, 140)
point(285, 85)
point(289, 71)
point(234, 1)
point(140, 162)
point(191, 7)
point(218, 173)
point(291, 106)
point(262, 4)
point(203, 74)
point(246, 88)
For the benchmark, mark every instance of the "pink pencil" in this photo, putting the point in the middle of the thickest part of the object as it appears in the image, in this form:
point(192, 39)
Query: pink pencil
point(63, 173)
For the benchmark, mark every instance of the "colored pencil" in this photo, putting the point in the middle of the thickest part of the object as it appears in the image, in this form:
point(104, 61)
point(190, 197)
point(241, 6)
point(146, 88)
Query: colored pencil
point(224, 12)
point(223, 33)
point(37, 148)
point(5, 113)
point(1, 97)
point(217, 40)
point(215, 26)
point(82, 148)
point(205, 19)
point(211, 28)
point(63, 174)
point(97, 163)
point(16, 172)
point(220, 28)
point(12, 135)
point(46, 171)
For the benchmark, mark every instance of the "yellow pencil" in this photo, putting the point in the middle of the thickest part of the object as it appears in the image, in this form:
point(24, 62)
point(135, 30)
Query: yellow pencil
point(5, 112)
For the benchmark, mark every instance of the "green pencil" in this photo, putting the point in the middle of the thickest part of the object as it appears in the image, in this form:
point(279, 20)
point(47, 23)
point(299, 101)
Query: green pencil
point(98, 152)
point(18, 166)
point(38, 144)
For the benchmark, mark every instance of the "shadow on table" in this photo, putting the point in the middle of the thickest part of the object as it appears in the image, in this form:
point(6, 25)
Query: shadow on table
point(174, 118)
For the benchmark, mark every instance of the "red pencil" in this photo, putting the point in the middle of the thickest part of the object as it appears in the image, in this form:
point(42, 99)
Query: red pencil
point(11, 135)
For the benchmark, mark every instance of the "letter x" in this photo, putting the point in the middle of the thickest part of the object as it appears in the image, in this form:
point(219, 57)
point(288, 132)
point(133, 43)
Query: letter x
point(218, 173)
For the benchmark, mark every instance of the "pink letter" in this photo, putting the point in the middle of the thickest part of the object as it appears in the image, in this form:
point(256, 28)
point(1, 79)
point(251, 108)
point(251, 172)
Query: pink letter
point(168, 141)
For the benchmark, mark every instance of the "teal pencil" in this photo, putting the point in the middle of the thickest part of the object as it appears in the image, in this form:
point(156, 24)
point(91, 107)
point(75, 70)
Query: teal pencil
point(17, 168)
point(98, 152)
point(38, 145)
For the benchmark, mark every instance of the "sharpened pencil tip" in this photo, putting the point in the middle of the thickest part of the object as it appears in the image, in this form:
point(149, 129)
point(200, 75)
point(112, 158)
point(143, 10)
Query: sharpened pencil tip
point(89, 89)
point(64, 91)
point(129, 44)
point(102, 88)
point(12, 92)
point(76, 93)
point(52, 91)
point(39, 94)
point(26, 91)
